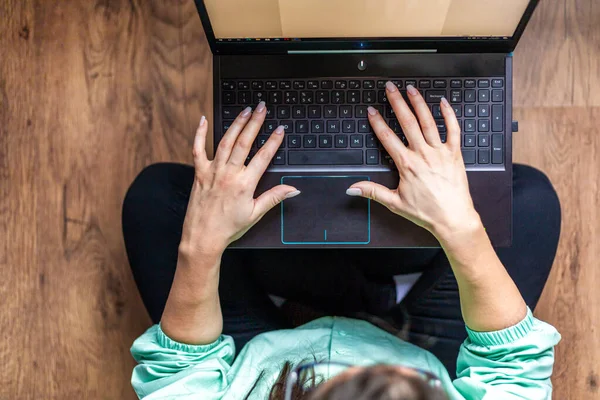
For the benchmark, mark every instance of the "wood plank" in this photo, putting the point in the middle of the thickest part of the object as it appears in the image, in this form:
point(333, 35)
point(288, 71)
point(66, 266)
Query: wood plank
point(557, 62)
point(564, 143)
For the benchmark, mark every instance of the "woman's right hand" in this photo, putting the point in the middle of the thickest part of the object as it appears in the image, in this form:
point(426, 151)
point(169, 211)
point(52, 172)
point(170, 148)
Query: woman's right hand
point(433, 191)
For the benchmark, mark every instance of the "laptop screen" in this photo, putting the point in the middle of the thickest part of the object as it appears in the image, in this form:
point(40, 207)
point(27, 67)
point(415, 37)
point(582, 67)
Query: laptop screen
point(310, 20)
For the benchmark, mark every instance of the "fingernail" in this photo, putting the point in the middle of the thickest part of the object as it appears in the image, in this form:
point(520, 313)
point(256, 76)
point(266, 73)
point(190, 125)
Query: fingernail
point(445, 102)
point(246, 112)
point(391, 87)
point(260, 107)
point(202, 120)
point(354, 192)
point(372, 110)
point(411, 89)
point(292, 194)
point(280, 129)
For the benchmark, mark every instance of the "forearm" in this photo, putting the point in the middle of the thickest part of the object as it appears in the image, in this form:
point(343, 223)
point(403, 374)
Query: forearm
point(489, 298)
point(193, 312)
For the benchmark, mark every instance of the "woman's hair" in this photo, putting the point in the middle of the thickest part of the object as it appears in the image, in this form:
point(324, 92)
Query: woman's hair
point(380, 382)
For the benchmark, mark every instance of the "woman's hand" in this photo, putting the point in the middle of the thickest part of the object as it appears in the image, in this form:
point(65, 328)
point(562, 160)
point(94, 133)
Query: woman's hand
point(222, 206)
point(433, 191)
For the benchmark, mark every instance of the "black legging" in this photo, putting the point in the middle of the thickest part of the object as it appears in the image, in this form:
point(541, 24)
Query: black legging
point(336, 281)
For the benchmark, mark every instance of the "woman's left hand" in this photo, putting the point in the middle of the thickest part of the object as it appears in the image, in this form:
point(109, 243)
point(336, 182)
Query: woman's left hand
point(222, 206)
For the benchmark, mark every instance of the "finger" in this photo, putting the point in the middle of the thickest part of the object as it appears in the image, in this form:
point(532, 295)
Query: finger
point(243, 144)
point(376, 192)
point(407, 119)
point(428, 125)
point(394, 146)
point(271, 198)
point(228, 140)
point(199, 148)
point(452, 125)
point(262, 159)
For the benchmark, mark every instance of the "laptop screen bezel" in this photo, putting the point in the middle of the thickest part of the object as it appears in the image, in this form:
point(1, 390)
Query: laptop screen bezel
point(438, 44)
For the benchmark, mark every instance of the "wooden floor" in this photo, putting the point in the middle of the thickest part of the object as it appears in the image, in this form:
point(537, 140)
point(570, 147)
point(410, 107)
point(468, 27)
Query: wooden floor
point(93, 91)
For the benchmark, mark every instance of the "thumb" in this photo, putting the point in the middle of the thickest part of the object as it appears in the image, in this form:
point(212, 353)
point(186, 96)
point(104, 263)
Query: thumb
point(374, 191)
point(271, 198)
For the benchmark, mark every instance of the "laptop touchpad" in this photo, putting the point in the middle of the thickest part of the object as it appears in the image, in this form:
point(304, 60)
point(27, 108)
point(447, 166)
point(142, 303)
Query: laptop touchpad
point(324, 213)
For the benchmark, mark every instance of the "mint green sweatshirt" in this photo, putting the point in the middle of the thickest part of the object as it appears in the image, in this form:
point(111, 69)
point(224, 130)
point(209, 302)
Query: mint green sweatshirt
point(514, 363)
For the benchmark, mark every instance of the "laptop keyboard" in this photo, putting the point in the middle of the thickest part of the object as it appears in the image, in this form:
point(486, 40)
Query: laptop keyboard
point(326, 121)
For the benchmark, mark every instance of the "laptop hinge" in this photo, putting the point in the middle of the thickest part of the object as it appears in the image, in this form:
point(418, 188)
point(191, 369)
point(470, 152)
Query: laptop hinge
point(361, 51)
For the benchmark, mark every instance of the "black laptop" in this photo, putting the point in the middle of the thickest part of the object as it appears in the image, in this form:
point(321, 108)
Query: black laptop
point(319, 64)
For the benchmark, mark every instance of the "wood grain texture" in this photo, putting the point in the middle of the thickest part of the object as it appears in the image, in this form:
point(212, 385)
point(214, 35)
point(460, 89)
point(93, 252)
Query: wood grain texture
point(93, 91)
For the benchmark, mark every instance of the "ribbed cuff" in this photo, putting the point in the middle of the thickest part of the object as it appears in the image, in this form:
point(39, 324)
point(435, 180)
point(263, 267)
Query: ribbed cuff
point(168, 343)
point(504, 336)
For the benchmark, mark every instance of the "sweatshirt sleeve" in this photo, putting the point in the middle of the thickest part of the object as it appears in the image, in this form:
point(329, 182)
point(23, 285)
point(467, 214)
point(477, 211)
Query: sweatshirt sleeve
point(513, 363)
point(168, 368)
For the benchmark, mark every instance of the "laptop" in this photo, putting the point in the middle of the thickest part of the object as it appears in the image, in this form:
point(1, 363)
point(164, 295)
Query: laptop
point(319, 64)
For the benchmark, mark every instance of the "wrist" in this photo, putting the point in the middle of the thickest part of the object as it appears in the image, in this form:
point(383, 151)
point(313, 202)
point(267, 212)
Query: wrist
point(193, 253)
point(463, 230)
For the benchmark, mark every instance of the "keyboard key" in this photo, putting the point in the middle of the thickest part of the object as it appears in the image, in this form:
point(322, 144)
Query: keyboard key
point(354, 96)
point(228, 97)
point(497, 83)
point(301, 126)
point(382, 96)
point(484, 125)
point(271, 85)
point(314, 112)
point(395, 126)
point(287, 125)
point(325, 157)
point(299, 85)
point(283, 112)
point(293, 141)
point(424, 84)
point(497, 118)
point(434, 96)
point(299, 112)
point(230, 112)
point(397, 82)
point(484, 156)
point(317, 127)
point(354, 84)
point(270, 111)
point(360, 111)
point(497, 146)
point(338, 97)
point(364, 126)
point(257, 97)
point(457, 110)
point(333, 126)
point(470, 96)
point(369, 96)
point(330, 111)
point(455, 83)
point(411, 82)
point(228, 85)
point(309, 142)
point(389, 111)
point(307, 97)
point(469, 125)
point(371, 141)
point(483, 83)
point(275, 97)
point(290, 97)
point(341, 141)
point(484, 110)
point(270, 126)
point(257, 85)
point(345, 111)
point(441, 125)
point(356, 141)
point(279, 158)
point(243, 85)
point(226, 125)
point(456, 96)
point(349, 126)
point(261, 140)
point(369, 84)
point(325, 141)
point(497, 95)
point(469, 110)
point(439, 84)
point(484, 140)
point(327, 85)
point(372, 157)
point(341, 85)
point(381, 84)
point(285, 85)
point(470, 83)
point(436, 111)
point(484, 95)
point(313, 84)
point(322, 97)
point(468, 156)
